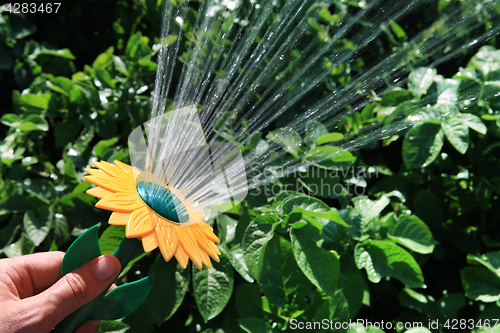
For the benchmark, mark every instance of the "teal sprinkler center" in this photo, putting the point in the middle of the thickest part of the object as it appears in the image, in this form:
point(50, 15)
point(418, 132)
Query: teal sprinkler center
point(162, 201)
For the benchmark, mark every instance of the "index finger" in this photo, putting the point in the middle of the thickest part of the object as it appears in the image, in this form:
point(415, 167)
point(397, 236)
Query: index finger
point(33, 272)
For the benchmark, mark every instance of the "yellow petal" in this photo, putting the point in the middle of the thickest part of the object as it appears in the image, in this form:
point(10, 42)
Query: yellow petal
point(188, 243)
point(139, 223)
point(121, 202)
point(119, 218)
point(167, 240)
point(149, 242)
point(110, 183)
point(98, 192)
point(182, 257)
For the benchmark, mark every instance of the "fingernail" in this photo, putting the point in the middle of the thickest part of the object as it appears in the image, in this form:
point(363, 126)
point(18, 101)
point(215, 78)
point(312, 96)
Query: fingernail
point(106, 267)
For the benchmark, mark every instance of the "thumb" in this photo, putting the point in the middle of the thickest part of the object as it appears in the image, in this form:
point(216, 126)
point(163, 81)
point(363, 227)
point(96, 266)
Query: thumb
point(76, 288)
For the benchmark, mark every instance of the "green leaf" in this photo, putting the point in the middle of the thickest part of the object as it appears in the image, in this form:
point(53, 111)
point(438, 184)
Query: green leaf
point(255, 325)
point(111, 238)
point(61, 229)
point(249, 301)
point(65, 132)
point(473, 121)
point(381, 259)
point(481, 284)
point(63, 53)
point(420, 80)
point(369, 209)
point(271, 278)
point(123, 300)
point(254, 241)
point(37, 224)
point(319, 266)
point(422, 144)
point(489, 260)
point(34, 122)
point(288, 139)
point(413, 233)
point(395, 96)
point(112, 326)
point(227, 228)
point(236, 257)
point(170, 287)
point(314, 131)
point(457, 133)
point(11, 120)
point(40, 101)
point(213, 288)
point(330, 137)
point(486, 60)
point(103, 60)
point(352, 283)
point(331, 215)
point(103, 145)
point(330, 158)
point(21, 247)
point(84, 249)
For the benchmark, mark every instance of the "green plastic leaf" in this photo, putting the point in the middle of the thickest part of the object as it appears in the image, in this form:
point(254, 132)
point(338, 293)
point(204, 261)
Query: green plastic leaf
point(37, 224)
point(330, 158)
point(330, 137)
point(84, 249)
point(413, 233)
point(420, 80)
point(255, 325)
point(319, 266)
point(381, 259)
point(481, 284)
point(422, 144)
point(314, 130)
point(213, 288)
point(123, 300)
point(289, 140)
point(111, 238)
point(254, 240)
point(457, 133)
point(170, 287)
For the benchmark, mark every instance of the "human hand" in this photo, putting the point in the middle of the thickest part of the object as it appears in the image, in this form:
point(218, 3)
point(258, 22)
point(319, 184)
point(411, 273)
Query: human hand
point(35, 298)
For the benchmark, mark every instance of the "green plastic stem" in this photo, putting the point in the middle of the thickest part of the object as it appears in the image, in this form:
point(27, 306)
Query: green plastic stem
point(128, 249)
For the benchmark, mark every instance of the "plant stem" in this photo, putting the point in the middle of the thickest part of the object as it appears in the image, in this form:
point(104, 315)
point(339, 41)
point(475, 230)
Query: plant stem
point(128, 249)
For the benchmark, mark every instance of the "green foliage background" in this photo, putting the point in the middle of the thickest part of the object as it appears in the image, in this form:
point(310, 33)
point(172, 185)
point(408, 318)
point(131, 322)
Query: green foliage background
point(420, 244)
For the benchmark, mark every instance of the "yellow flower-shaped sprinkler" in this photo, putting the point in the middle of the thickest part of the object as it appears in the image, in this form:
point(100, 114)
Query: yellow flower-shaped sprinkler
point(154, 214)
point(158, 200)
